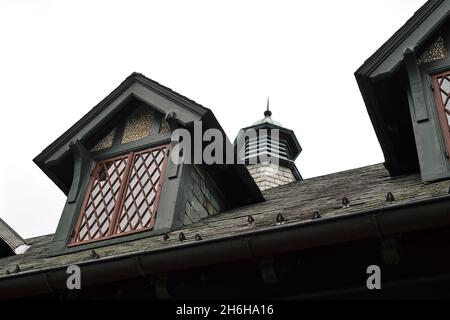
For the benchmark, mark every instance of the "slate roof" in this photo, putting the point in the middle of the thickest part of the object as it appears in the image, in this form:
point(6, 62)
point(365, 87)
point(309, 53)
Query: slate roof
point(366, 189)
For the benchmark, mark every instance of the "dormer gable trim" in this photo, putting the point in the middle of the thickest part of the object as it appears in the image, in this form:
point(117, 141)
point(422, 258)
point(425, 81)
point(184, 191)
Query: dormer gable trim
point(171, 104)
point(412, 34)
point(136, 85)
point(384, 80)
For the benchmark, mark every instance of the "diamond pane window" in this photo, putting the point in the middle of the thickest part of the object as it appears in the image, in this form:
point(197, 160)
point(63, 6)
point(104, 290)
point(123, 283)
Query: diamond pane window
point(140, 200)
point(122, 196)
point(441, 86)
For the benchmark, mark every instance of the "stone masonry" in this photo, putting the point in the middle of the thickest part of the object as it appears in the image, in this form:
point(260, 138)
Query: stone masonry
point(269, 175)
point(203, 198)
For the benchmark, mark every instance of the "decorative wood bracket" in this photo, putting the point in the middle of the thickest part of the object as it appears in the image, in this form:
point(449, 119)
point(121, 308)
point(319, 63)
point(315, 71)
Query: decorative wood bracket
point(417, 88)
point(172, 169)
point(82, 161)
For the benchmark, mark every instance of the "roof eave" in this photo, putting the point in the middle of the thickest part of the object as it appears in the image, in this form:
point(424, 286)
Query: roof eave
point(401, 218)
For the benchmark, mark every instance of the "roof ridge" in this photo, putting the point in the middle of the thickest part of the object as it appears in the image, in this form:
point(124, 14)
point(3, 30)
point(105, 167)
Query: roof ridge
point(139, 74)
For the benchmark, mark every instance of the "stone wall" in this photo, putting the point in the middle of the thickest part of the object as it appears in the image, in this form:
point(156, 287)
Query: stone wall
point(268, 175)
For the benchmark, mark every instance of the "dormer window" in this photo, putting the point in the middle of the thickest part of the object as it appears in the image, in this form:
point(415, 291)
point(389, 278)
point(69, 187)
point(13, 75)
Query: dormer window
point(122, 196)
point(121, 185)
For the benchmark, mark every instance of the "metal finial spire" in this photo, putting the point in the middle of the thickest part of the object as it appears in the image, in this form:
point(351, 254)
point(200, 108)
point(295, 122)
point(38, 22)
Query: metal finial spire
point(267, 113)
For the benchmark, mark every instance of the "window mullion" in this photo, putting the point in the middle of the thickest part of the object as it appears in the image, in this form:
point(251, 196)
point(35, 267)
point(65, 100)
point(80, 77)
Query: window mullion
point(76, 231)
point(123, 188)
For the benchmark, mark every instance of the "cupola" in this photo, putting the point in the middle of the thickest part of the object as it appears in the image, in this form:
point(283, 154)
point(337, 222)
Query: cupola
point(269, 151)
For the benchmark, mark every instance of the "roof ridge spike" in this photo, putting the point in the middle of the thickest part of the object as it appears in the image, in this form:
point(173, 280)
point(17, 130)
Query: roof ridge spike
point(198, 237)
point(345, 202)
point(280, 218)
point(390, 197)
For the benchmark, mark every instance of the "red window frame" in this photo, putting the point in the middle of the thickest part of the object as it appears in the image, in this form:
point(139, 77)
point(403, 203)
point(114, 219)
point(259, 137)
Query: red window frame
point(125, 169)
point(437, 81)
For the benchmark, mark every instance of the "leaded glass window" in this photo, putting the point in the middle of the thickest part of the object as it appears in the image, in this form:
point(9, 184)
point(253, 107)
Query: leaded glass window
point(122, 195)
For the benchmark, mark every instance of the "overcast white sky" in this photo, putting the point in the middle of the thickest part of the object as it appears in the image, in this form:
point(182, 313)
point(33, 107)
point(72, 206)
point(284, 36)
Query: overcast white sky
point(60, 58)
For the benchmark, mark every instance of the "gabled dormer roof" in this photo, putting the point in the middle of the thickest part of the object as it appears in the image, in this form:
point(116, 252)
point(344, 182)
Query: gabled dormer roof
point(137, 86)
point(55, 160)
point(382, 80)
point(414, 33)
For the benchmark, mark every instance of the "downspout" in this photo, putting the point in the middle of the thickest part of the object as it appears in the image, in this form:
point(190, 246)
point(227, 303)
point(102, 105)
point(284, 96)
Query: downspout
point(390, 220)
